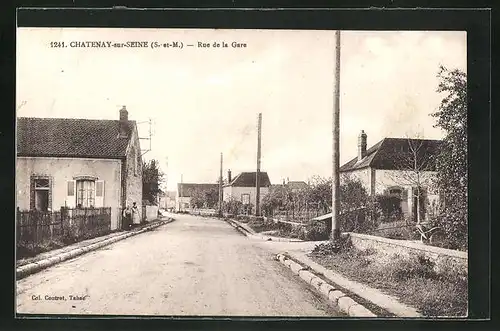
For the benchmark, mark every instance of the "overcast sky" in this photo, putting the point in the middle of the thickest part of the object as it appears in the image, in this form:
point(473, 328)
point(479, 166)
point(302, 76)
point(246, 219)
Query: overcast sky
point(204, 101)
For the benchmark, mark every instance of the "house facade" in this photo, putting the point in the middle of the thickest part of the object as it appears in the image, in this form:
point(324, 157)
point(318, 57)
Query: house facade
point(185, 192)
point(166, 200)
point(296, 185)
point(78, 163)
point(399, 167)
point(243, 187)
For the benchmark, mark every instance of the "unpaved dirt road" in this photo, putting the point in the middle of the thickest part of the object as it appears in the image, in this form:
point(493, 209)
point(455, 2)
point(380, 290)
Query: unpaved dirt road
point(193, 266)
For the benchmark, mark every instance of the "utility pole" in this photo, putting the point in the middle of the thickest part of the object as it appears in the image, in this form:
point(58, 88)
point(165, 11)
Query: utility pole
point(166, 176)
point(167, 199)
point(257, 177)
point(336, 150)
point(220, 187)
point(180, 199)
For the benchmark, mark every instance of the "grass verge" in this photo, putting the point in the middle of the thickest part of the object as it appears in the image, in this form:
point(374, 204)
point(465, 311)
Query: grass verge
point(380, 312)
point(411, 279)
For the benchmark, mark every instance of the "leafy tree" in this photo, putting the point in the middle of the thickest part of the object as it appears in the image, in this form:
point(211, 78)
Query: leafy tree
point(151, 179)
point(320, 192)
point(275, 199)
point(357, 210)
point(451, 117)
point(232, 206)
point(353, 195)
point(197, 199)
point(208, 198)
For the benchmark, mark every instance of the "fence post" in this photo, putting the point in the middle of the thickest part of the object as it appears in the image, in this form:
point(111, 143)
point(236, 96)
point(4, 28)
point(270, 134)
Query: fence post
point(35, 221)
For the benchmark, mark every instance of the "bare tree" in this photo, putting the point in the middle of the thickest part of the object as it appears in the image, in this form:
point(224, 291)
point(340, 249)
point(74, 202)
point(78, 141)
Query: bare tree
point(414, 166)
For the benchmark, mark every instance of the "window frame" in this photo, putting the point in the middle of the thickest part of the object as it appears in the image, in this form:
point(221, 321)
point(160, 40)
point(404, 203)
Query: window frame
point(243, 200)
point(34, 188)
point(85, 196)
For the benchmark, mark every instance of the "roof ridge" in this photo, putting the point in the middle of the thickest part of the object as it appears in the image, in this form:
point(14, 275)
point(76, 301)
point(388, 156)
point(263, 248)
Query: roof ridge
point(71, 119)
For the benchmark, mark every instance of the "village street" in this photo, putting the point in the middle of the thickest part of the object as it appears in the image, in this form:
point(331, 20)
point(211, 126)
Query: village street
point(193, 266)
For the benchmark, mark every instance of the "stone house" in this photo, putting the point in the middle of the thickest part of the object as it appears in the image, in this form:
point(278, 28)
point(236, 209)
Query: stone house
point(78, 163)
point(396, 166)
point(166, 200)
point(296, 185)
point(243, 187)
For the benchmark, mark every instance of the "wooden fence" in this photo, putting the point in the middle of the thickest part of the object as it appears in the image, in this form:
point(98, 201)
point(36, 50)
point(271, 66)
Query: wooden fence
point(297, 216)
point(67, 225)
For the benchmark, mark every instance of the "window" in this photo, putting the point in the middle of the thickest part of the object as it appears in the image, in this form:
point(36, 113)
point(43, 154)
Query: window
point(85, 197)
point(41, 197)
point(395, 191)
point(245, 199)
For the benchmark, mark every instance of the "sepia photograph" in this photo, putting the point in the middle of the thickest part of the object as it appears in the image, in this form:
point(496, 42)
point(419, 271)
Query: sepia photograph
point(252, 173)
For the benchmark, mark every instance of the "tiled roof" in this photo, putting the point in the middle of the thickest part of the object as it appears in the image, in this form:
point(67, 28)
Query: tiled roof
point(185, 190)
point(247, 179)
point(395, 154)
point(64, 137)
point(296, 185)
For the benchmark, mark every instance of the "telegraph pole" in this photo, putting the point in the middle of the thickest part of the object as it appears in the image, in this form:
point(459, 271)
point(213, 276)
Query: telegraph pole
point(336, 150)
point(220, 187)
point(257, 177)
point(180, 199)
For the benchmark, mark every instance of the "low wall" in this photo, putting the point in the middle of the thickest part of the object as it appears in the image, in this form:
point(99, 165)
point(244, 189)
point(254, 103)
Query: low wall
point(204, 212)
point(151, 213)
point(387, 248)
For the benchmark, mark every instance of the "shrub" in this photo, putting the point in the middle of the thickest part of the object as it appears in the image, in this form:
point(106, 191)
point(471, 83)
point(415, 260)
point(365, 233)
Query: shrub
point(315, 231)
point(359, 221)
point(259, 224)
point(397, 230)
point(343, 246)
point(389, 207)
point(414, 266)
point(454, 225)
point(26, 250)
point(232, 207)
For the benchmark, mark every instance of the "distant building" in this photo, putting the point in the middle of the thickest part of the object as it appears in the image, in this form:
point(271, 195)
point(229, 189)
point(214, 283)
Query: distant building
point(295, 186)
point(78, 163)
point(166, 200)
point(186, 190)
point(243, 187)
point(388, 167)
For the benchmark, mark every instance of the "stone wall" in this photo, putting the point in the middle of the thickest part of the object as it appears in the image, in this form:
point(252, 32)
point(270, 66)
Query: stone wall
point(387, 248)
point(133, 173)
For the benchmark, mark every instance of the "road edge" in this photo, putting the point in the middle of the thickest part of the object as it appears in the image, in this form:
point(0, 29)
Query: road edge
point(249, 234)
point(34, 267)
point(340, 300)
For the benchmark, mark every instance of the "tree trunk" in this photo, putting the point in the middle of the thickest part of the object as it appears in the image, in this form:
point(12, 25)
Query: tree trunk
point(418, 205)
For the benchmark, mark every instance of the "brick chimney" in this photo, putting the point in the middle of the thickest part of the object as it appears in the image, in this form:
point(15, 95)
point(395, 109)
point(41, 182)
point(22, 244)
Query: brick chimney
point(229, 176)
point(123, 122)
point(361, 145)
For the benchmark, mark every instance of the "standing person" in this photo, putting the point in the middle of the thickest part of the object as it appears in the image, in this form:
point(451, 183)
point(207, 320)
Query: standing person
point(127, 218)
point(135, 214)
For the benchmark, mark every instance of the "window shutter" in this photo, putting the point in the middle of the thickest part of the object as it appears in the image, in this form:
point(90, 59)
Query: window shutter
point(99, 193)
point(71, 193)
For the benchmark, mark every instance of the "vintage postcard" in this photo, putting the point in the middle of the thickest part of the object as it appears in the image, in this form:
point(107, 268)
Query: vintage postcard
point(260, 173)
